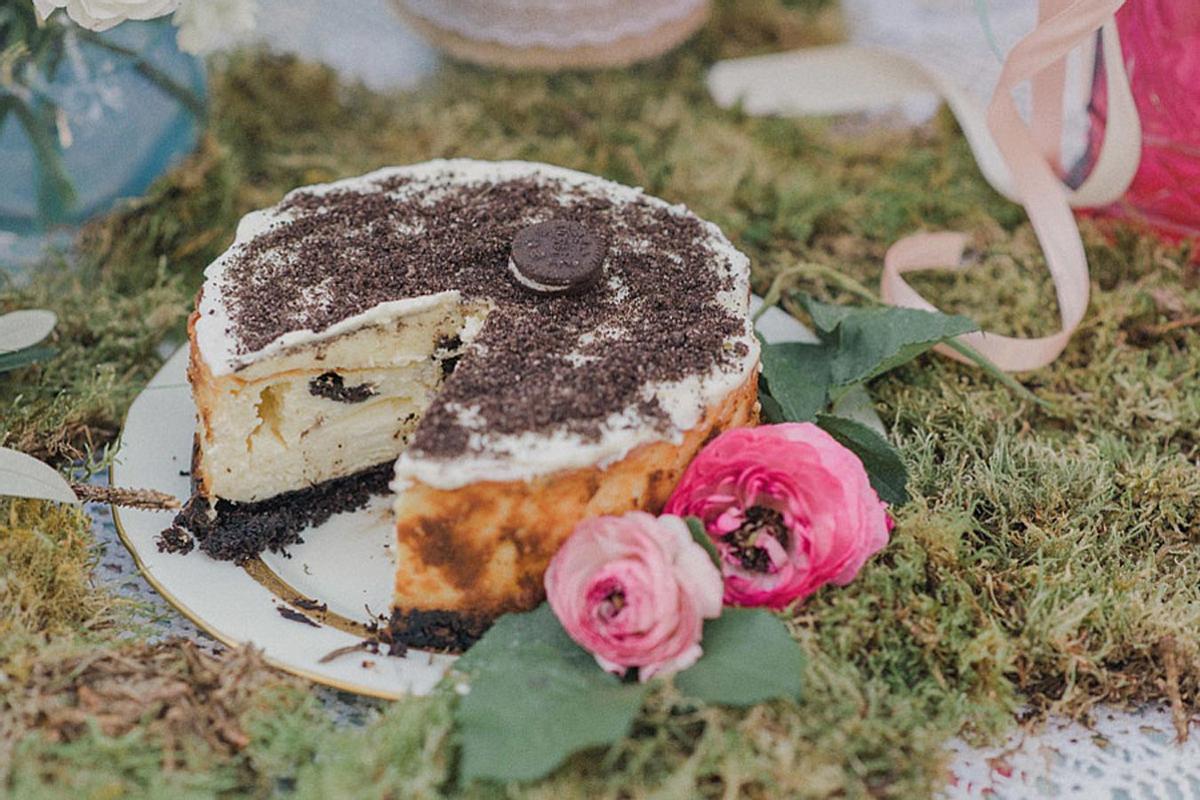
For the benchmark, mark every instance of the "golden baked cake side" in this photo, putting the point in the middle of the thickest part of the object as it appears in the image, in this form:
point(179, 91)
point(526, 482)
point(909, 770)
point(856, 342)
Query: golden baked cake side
point(465, 556)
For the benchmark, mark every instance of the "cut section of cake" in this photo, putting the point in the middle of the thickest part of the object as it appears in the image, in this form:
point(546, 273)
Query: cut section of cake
point(382, 334)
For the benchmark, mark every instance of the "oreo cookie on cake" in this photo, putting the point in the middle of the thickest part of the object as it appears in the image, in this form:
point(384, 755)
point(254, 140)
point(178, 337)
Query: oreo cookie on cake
point(557, 257)
point(505, 348)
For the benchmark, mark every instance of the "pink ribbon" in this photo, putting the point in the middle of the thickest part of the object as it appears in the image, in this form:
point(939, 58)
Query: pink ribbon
point(1029, 151)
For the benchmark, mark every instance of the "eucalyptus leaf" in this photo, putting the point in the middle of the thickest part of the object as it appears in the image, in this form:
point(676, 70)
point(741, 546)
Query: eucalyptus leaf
point(22, 475)
point(885, 468)
point(22, 329)
point(749, 657)
point(534, 698)
point(797, 377)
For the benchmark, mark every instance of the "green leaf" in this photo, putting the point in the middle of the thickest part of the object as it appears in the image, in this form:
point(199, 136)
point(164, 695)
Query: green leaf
point(797, 377)
point(857, 344)
point(749, 657)
point(887, 472)
point(701, 537)
point(535, 698)
point(872, 341)
point(23, 358)
point(825, 317)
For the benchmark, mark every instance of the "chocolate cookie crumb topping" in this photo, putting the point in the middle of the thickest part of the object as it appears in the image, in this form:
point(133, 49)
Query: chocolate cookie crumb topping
point(539, 363)
point(310, 605)
point(443, 631)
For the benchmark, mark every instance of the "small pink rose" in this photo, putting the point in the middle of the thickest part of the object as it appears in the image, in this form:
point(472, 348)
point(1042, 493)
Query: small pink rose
point(635, 591)
point(789, 509)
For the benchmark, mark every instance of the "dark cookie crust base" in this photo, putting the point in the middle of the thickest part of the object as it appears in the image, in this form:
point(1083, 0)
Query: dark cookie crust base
point(240, 531)
point(446, 631)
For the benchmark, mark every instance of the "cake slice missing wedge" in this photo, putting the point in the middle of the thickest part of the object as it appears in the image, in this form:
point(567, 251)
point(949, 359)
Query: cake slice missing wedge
point(286, 442)
point(369, 336)
point(332, 408)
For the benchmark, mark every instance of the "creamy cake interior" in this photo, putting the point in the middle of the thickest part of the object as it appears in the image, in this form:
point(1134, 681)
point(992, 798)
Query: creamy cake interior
point(336, 408)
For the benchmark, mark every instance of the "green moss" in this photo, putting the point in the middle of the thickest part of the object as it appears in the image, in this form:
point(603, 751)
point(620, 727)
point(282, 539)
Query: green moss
point(69, 406)
point(404, 753)
point(284, 723)
point(46, 595)
point(101, 767)
point(1049, 558)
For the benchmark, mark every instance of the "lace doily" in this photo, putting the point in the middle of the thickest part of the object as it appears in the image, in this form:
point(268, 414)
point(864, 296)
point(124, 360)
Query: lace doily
point(1126, 755)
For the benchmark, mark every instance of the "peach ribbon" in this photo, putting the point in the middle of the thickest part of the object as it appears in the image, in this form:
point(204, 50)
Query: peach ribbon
point(1017, 158)
point(1029, 151)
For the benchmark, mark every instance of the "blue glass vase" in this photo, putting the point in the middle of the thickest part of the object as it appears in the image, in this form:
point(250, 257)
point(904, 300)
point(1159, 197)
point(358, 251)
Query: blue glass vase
point(97, 121)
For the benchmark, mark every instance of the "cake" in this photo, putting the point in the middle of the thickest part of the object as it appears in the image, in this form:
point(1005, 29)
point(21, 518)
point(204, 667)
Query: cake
point(555, 34)
point(390, 334)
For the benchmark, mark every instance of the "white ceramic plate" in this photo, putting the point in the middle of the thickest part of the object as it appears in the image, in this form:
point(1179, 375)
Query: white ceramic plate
point(345, 563)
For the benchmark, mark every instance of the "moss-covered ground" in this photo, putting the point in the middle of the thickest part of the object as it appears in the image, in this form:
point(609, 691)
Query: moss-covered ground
point(1050, 559)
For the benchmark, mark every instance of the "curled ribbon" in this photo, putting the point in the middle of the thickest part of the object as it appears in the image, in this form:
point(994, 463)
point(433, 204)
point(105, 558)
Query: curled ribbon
point(1019, 159)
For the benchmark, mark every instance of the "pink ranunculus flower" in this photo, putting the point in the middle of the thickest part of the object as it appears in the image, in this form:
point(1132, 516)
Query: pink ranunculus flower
point(634, 591)
point(789, 509)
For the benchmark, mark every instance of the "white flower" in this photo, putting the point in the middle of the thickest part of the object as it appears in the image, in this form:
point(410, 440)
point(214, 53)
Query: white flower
point(208, 25)
point(100, 15)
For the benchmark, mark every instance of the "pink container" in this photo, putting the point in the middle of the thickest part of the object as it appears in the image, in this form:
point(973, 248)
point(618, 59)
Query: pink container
point(1161, 43)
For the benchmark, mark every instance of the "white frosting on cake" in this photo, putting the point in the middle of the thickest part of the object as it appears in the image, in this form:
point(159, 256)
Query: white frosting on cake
point(556, 24)
point(496, 457)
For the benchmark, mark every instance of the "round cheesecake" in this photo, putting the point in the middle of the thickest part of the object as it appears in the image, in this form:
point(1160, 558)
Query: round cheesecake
point(555, 34)
point(376, 335)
